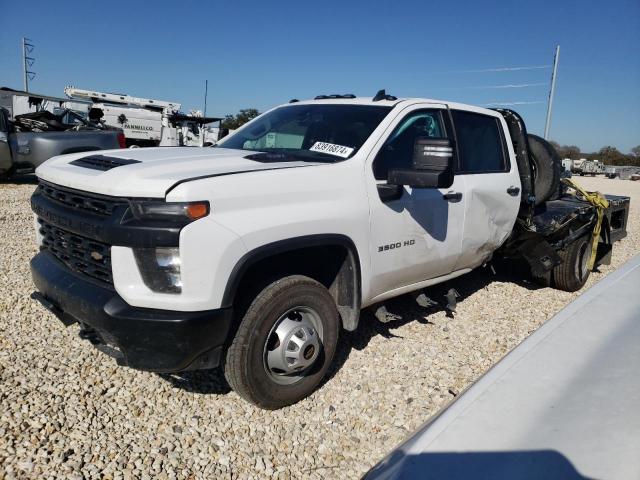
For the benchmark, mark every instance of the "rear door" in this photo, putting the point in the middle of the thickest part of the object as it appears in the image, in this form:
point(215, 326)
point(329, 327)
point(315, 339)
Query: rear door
point(492, 184)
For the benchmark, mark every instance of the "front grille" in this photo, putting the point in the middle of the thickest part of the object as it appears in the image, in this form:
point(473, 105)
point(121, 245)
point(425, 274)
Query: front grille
point(97, 204)
point(80, 254)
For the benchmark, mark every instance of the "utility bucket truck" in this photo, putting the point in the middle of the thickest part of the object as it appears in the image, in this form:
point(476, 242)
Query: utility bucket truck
point(147, 122)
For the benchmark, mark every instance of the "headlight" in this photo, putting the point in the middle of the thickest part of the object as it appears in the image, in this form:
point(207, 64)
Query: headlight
point(160, 210)
point(160, 268)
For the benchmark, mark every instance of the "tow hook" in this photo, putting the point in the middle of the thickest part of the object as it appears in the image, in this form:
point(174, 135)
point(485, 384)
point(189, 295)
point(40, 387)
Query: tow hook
point(89, 334)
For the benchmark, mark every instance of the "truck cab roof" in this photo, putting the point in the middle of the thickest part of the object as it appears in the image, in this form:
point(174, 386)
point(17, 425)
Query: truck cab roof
point(392, 103)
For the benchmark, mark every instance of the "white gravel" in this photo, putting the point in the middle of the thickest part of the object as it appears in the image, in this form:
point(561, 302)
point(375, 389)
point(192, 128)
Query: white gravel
point(67, 411)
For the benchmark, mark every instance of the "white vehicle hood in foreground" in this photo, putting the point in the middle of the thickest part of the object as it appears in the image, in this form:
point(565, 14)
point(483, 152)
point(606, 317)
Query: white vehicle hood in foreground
point(157, 171)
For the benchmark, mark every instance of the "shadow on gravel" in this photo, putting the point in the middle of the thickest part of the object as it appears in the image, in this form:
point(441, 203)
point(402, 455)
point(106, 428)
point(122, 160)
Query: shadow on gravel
point(200, 381)
point(213, 382)
point(20, 180)
point(405, 306)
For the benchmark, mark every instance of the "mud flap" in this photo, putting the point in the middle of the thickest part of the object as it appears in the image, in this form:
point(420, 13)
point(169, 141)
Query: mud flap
point(541, 256)
point(603, 254)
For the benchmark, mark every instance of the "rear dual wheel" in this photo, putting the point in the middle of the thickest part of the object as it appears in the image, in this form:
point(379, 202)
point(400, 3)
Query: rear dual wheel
point(572, 274)
point(285, 343)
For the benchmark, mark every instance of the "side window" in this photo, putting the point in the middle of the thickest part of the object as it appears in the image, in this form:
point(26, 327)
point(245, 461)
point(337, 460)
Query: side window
point(480, 145)
point(397, 152)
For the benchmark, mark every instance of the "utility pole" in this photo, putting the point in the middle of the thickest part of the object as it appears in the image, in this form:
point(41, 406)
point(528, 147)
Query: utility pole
point(27, 62)
point(206, 86)
point(547, 124)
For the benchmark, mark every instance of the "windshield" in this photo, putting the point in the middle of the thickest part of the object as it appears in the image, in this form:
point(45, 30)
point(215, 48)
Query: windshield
point(318, 132)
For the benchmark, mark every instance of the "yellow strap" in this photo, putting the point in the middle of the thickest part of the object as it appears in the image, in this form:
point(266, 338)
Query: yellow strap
point(601, 203)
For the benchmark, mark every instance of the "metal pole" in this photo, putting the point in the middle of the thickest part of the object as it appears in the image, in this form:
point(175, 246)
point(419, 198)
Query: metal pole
point(206, 86)
point(24, 64)
point(547, 124)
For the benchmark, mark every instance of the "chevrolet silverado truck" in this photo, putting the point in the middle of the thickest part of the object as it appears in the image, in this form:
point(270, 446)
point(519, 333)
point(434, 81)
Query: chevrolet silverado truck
point(255, 254)
point(32, 138)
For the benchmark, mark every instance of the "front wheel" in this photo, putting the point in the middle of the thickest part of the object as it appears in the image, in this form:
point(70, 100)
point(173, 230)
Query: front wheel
point(285, 343)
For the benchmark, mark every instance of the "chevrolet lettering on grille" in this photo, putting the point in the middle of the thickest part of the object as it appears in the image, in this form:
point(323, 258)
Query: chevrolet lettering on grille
point(80, 226)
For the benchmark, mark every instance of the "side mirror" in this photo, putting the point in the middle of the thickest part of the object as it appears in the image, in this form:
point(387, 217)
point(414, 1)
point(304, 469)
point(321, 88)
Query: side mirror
point(432, 165)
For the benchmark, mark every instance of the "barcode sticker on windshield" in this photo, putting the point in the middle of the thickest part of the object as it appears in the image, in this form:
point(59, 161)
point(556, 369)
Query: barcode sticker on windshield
point(332, 149)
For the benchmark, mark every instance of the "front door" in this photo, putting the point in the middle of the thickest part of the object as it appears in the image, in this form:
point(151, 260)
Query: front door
point(415, 234)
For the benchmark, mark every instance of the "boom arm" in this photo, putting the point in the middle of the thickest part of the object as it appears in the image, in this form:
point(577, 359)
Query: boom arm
point(73, 92)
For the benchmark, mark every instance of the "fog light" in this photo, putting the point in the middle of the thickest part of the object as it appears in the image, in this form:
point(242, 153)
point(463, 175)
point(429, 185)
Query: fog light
point(160, 268)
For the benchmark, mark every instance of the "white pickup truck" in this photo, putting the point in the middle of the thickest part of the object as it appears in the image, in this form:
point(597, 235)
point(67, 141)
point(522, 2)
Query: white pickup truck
point(253, 255)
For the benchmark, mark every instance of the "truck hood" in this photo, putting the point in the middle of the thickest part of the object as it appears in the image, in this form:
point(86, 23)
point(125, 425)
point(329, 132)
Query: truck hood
point(151, 172)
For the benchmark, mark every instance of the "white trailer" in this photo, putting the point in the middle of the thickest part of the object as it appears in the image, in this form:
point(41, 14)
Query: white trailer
point(592, 167)
point(148, 122)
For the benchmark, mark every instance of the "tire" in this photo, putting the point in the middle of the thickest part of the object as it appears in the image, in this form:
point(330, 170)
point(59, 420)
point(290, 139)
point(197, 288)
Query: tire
point(573, 272)
point(283, 309)
point(547, 167)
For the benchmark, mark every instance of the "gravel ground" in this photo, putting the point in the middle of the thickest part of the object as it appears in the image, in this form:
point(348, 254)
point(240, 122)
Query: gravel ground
point(67, 411)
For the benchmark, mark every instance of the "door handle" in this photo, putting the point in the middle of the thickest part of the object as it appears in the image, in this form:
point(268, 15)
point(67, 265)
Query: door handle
point(513, 191)
point(457, 196)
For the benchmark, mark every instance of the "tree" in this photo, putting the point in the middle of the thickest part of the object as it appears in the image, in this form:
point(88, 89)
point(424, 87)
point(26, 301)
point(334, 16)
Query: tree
point(567, 151)
point(571, 151)
point(635, 151)
point(612, 156)
point(236, 121)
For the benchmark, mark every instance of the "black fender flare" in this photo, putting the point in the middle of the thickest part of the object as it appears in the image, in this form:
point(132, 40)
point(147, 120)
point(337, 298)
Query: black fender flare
point(350, 313)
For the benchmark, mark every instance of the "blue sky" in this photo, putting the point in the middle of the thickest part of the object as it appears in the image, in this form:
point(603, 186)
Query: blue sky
point(261, 53)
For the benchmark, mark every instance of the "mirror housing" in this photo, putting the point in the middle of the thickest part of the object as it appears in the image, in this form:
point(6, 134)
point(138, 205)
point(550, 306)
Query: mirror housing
point(432, 165)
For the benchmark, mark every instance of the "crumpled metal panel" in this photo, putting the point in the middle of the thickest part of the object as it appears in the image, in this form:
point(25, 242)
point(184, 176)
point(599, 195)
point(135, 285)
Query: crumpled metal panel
point(489, 219)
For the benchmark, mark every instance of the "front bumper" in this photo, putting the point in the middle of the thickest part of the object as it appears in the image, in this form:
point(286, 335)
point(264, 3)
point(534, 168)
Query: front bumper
point(141, 338)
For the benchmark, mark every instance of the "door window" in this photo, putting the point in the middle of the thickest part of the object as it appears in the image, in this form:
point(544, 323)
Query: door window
point(480, 144)
point(397, 152)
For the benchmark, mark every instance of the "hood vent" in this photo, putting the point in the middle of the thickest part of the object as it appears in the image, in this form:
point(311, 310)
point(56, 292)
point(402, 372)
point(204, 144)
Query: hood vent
point(102, 162)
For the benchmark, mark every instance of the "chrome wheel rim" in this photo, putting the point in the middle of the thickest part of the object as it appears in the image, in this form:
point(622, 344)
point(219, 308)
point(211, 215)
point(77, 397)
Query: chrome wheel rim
point(584, 255)
point(293, 345)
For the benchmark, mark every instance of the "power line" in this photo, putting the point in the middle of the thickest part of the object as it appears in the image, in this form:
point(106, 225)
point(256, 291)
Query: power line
point(509, 104)
point(504, 69)
point(510, 85)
